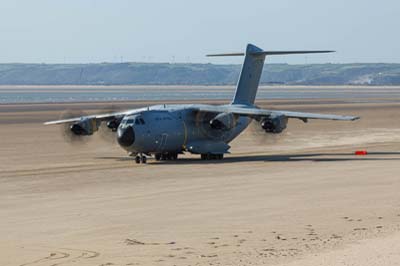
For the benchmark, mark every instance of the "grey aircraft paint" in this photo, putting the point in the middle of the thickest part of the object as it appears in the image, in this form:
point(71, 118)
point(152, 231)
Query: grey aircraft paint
point(176, 128)
point(250, 75)
point(167, 130)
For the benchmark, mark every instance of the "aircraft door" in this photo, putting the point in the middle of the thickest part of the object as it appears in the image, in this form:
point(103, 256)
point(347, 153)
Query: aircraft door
point(161, 141)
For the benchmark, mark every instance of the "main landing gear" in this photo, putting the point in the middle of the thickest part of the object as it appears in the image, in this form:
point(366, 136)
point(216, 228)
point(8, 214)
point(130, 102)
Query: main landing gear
point(209, 156)
point(170, 156)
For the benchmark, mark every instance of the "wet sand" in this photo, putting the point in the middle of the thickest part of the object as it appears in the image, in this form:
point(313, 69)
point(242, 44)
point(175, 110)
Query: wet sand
point(300, 198)
point(106, 93)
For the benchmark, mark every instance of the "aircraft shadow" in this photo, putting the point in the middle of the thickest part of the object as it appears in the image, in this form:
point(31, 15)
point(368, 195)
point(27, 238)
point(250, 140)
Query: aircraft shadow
point(311, 157)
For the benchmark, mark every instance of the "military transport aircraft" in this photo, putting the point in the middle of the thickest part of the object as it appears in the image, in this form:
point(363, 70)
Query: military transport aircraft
point(164, 131)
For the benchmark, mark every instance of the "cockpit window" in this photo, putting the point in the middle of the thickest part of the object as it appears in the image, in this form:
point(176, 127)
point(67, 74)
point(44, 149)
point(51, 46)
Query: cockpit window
point(131, 121)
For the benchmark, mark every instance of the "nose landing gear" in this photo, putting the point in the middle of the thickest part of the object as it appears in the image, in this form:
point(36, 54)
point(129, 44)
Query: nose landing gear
point(140, 158)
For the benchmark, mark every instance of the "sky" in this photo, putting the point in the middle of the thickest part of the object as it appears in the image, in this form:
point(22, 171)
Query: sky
point(89, 31)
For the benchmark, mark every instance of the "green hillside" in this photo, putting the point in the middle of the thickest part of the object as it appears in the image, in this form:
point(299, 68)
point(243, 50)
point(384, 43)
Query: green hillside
point(195, 74)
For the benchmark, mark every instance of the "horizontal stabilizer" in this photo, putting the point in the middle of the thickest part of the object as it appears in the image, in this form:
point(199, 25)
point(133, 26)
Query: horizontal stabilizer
point(231, 54)
point(275, 53)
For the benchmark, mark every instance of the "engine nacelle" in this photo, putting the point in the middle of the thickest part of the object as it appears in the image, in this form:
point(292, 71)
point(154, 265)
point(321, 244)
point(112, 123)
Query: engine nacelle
point(274, 124)
point(84, 127)
point(223, 121)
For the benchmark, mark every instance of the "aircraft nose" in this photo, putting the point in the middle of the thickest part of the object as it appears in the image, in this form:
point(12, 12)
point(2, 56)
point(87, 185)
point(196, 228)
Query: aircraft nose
point(126, 136)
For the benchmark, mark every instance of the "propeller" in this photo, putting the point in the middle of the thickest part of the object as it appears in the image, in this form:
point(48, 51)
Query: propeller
point(202, 122)
point(108, 129)
point(66, 129)
point(261, 137)
point(212, 124)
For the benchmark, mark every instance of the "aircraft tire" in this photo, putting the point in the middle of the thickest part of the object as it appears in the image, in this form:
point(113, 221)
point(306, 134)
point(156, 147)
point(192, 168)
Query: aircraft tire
point(157, 156)
point(137, 159)
point(143, 159)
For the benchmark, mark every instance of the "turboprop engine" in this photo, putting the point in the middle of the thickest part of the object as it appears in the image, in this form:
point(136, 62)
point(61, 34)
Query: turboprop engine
point(84, 127)
point(223, 121)
point(114, 124)
point(274, 124)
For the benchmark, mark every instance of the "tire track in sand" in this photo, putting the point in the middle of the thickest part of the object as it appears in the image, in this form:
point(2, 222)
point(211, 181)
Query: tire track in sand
point(58, 257)
point(60, 170)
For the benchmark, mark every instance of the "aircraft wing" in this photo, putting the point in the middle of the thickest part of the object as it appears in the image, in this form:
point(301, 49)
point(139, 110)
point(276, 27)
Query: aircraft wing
point(257, 112)
point(100, 117)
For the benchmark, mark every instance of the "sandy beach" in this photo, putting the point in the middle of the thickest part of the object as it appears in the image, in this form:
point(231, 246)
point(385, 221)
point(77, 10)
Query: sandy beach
point(300, 198)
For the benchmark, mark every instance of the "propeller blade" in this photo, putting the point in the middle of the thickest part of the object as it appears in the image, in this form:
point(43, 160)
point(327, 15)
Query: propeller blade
point(66, 132)
point(259, 136)
point(106, 133)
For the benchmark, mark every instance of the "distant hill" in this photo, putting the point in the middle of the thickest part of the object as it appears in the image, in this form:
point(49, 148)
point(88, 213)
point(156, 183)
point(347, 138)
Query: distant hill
point(195, 74)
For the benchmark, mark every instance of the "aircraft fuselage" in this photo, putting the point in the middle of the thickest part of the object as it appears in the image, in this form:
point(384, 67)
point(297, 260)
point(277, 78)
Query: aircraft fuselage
point(173, 129)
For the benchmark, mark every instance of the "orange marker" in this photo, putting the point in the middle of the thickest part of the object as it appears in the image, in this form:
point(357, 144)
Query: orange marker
point(361, 152)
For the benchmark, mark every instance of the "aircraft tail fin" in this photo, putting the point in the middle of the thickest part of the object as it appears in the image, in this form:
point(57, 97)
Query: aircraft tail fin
point(250, 74)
